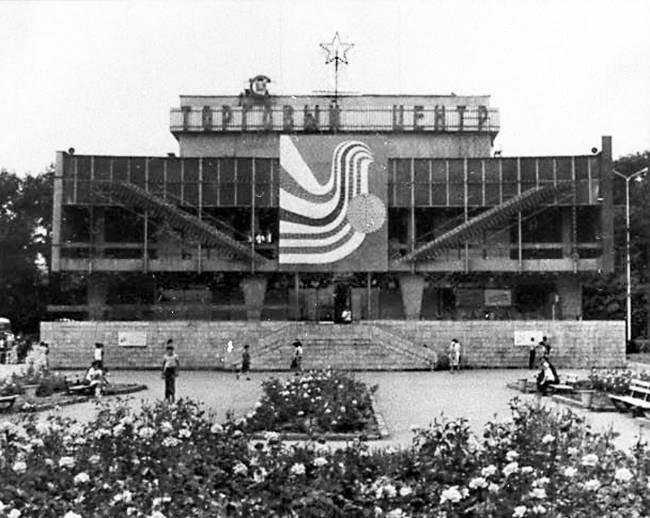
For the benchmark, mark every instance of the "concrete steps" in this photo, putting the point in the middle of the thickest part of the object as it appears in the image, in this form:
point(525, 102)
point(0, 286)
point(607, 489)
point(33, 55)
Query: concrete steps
point(343, 347)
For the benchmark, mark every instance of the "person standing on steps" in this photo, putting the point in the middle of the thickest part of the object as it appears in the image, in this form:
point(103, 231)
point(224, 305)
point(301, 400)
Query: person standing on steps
point(99, 354)
point(296, 362)
point(531, 353)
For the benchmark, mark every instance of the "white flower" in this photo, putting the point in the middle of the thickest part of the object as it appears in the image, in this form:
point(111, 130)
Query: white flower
point(297, 469)
point(14, 513)
point(519, 511)
point(477, 482)
point(19, 466)
point(146, 432)
point(81, 478)
point(591, 459)
point(526, 469)
point(2, 505)
point(118, 430)
point(489, 470)
point(573, 451)
point(170, 442)
point(548, 438)
point(405, 491)
point(216, 428)
point(66, 462)
point(512, 455)
point(260, 475)
point(592, 485)
point(538, 492)
point(240, 469)
point(493, 488)
point(570, 471)
point(387, 490)
point(184, 433)
point(511, 468)
point(539, 509)
point(451, 494)
point(157, 514)
point(397, 513)
point(94, 459)
point(71, 514)
point(125, 496)
point(623, 475)
point(542, 481)
point(320, 462)
point(166, 426)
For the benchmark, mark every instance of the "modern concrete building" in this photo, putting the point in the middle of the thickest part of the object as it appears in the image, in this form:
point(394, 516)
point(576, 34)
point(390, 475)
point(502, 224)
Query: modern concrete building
point(374, 208)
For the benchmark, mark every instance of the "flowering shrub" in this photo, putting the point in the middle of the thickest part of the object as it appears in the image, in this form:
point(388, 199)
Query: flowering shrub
point(321, 401)
point(176, 461)
point(615, 381)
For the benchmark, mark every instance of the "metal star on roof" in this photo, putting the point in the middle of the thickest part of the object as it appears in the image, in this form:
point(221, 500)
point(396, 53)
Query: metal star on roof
point(336, 50)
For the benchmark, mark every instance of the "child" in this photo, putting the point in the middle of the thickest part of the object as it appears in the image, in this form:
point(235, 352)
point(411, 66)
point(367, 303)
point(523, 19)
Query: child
point(245, 362)
point(170, 367)
point(296, 363)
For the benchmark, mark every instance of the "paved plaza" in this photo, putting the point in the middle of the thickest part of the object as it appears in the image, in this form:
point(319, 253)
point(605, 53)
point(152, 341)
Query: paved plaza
point(403, 398)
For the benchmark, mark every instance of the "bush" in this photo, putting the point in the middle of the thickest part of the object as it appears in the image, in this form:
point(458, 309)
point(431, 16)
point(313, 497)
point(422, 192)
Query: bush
point(319, 401)
point(51, 384)
point(177, 461)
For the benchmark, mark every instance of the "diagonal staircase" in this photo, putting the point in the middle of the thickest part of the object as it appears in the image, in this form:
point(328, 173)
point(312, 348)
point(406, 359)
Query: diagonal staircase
point(206, 234)
point(358, 346)
point(490, 218)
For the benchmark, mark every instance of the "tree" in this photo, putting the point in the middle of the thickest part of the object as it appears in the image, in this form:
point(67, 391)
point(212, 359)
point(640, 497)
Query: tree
point(25, 242)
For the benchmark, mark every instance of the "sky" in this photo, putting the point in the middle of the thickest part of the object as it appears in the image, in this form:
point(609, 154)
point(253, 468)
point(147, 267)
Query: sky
point(102, 76)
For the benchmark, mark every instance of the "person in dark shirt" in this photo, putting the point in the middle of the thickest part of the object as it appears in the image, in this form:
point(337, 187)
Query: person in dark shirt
point(245, 362)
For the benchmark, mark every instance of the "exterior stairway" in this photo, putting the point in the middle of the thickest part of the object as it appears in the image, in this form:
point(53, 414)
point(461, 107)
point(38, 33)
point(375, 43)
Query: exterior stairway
point(345, 347)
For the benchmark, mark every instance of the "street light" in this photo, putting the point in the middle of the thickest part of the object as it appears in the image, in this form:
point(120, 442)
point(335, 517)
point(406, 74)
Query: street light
point(628, 269)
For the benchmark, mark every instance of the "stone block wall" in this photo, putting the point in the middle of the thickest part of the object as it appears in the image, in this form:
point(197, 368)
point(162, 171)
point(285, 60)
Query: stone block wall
point(575, 344)
point(201, 344)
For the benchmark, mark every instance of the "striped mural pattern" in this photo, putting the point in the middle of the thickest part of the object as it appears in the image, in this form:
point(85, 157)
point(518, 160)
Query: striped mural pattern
point(314, 227)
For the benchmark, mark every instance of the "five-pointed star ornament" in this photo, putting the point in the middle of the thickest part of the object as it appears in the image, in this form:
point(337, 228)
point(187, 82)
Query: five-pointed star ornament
point(336, 50)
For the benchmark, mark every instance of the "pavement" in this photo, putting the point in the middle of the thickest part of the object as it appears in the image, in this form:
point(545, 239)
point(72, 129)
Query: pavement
point(403, 398)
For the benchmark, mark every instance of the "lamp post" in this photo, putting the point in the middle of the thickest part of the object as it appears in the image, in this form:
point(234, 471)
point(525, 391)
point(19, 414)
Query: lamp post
point(628, 268)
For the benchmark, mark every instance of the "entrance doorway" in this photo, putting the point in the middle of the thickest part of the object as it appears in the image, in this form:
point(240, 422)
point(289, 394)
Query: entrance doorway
point(342, 303)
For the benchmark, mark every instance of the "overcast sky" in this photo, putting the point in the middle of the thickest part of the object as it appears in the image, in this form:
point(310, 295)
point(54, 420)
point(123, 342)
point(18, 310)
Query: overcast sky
point(102, 76)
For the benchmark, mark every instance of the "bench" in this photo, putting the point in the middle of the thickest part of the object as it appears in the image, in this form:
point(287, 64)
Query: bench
point(567, 386)
point(80, 389)
point(6, 402)
point(637, 400)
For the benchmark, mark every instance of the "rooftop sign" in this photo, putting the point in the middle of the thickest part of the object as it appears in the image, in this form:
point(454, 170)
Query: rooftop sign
point(314, 118)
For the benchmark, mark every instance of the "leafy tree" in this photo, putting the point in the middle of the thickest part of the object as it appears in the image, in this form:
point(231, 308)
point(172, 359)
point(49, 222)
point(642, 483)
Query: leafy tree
point(25, 228)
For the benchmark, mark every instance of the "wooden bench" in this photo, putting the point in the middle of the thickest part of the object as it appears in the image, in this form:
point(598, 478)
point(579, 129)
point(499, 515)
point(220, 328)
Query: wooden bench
point(637, 400)
point(567, 386)
point(79, 389)
point(6, 402)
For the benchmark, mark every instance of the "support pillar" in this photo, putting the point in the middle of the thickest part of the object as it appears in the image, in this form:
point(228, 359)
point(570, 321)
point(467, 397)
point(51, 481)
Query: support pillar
point(569, 290)
point(97, 293)
point(411, 287)
point(254, 289)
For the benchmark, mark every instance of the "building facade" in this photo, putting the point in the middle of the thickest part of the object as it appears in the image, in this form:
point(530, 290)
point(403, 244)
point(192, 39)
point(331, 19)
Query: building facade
point(361, 208)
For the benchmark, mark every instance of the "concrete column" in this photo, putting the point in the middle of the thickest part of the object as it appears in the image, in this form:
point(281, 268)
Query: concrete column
point(569, 290)
point(97, 293)
point(57, 207)
point(607, 206)
point(254, 289)
point(567, 232)
point(411, 286)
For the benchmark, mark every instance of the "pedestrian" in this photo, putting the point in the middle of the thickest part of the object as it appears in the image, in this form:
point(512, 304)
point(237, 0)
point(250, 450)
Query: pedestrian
point(546, 376)
point(95, 379)
point(245, 362)
point(296, 362)
point(99, 354)
point(170, 367)
point(454, 356)
point(545, 346)
point(45, 352)
point(531, 354)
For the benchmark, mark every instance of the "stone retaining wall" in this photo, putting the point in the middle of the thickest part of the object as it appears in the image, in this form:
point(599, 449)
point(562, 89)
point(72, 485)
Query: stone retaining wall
point(201, 344)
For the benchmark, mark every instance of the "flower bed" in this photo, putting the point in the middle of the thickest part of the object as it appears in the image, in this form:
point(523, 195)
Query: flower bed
point(176, 461)
point(319, 402)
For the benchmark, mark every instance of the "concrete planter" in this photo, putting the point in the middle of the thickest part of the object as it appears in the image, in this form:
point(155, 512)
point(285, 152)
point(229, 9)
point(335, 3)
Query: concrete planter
point(586, 397)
